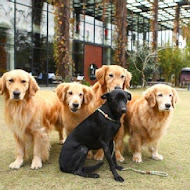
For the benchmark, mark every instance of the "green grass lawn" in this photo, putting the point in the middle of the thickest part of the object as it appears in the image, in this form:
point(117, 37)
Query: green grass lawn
point(175, 148)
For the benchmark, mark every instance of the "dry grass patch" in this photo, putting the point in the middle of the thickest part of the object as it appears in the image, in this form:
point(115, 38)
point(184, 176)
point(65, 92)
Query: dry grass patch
point(174, 147)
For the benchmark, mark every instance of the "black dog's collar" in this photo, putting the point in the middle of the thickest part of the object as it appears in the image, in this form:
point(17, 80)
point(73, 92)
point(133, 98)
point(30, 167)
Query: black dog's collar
point(107, 117)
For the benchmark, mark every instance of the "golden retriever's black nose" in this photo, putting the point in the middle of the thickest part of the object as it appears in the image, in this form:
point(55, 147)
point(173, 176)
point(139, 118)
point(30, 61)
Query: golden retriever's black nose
point(75, 105)
point(117, 88)
point(123, 110)
point(16, 93)
point(168, 105)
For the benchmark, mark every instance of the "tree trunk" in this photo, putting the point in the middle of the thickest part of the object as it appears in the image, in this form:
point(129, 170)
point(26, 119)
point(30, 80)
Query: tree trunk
point(176, 26)
point(121, 42)
point(62, 50)
point(154, 30)
point(154, 27)
point(143, 80)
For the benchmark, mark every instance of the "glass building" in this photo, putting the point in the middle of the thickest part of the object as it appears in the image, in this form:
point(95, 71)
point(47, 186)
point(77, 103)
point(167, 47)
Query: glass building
point(27, 33)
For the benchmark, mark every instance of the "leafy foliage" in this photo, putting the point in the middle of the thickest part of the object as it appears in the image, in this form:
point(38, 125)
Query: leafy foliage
point(137, 78)
point(172, 60)
point(142, 64)
point(62, 53)
point(186, 33)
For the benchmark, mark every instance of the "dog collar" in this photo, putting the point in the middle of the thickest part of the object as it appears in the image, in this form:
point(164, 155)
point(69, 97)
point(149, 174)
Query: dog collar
point(107, 117)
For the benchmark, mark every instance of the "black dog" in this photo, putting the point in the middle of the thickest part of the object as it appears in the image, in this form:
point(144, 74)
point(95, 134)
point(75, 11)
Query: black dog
point(95, 132)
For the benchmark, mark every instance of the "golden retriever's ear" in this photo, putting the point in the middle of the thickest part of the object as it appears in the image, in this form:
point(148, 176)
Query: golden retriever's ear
point(2, 84)
point(175, 97)
point(33, 86)
point(127, 79)
point(100, 74)
point(88, 95)
point(150, 97)
point(61, 91)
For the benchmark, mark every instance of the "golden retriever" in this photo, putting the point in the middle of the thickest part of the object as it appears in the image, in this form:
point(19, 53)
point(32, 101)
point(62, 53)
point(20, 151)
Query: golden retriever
point(110, 77)
point(78, 104)
point(147, 119)
point(31, 115)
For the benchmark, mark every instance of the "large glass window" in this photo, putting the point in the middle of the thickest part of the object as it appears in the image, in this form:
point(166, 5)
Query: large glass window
point(33, 30)
point(89, 29)
point(23, 51)
point(78, 57)
point(79, 27)
point(6, 35)
point(99, 32)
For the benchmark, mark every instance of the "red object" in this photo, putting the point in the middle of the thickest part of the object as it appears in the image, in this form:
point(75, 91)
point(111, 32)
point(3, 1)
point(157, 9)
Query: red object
point(77, 27)
point(92, 55)
point(106, 33)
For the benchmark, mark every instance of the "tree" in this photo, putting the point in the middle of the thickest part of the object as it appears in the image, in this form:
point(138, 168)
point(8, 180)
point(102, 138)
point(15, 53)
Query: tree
point(143, 60)
point(121, 41)
point(172, 60)
point(186, 33)
point(154, 25)
point(62, 55)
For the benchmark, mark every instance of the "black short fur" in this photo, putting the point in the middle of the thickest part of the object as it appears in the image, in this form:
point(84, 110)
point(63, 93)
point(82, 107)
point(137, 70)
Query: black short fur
point(94, 133)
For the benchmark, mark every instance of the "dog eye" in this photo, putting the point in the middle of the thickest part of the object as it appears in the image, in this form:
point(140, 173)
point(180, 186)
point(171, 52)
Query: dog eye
point(70, 93)
point(23, 81)
point(160, 95)
point(122, 76)
point(80, 94)
point(111, 75)
point(11, 80)
point(170, 95)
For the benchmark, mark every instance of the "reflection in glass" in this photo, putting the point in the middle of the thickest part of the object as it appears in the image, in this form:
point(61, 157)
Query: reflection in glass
point(98, 35)
point(79, 28)
point(78, 60)
point(89, 19)
point(23, 53)
point(89, 32)
point(6, 35)
point(51, 24)
point(78, 49)
point(23, 57)
point(25, 2)
point(23, 20)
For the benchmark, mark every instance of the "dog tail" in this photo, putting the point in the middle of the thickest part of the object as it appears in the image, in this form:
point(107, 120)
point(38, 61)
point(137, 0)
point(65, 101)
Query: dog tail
point(89, 169)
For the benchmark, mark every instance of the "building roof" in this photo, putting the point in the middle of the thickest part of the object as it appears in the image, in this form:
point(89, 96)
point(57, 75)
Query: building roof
point(139, 8)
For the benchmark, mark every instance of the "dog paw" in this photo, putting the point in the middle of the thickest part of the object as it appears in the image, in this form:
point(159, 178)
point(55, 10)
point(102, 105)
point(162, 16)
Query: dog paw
point(16, 164)
point(36, 163)
point(90, 155)
point(137, 159)
point(93, 175)
point(157, 157)
point(61, 142)
point(98, 156)
point(119, 157)
point(119, 178)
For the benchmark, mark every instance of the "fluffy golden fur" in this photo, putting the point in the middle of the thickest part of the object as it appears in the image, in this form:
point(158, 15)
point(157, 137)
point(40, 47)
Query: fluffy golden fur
point(31, 115)
point(109, 77)
point(147, 119)
point(78, 104)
